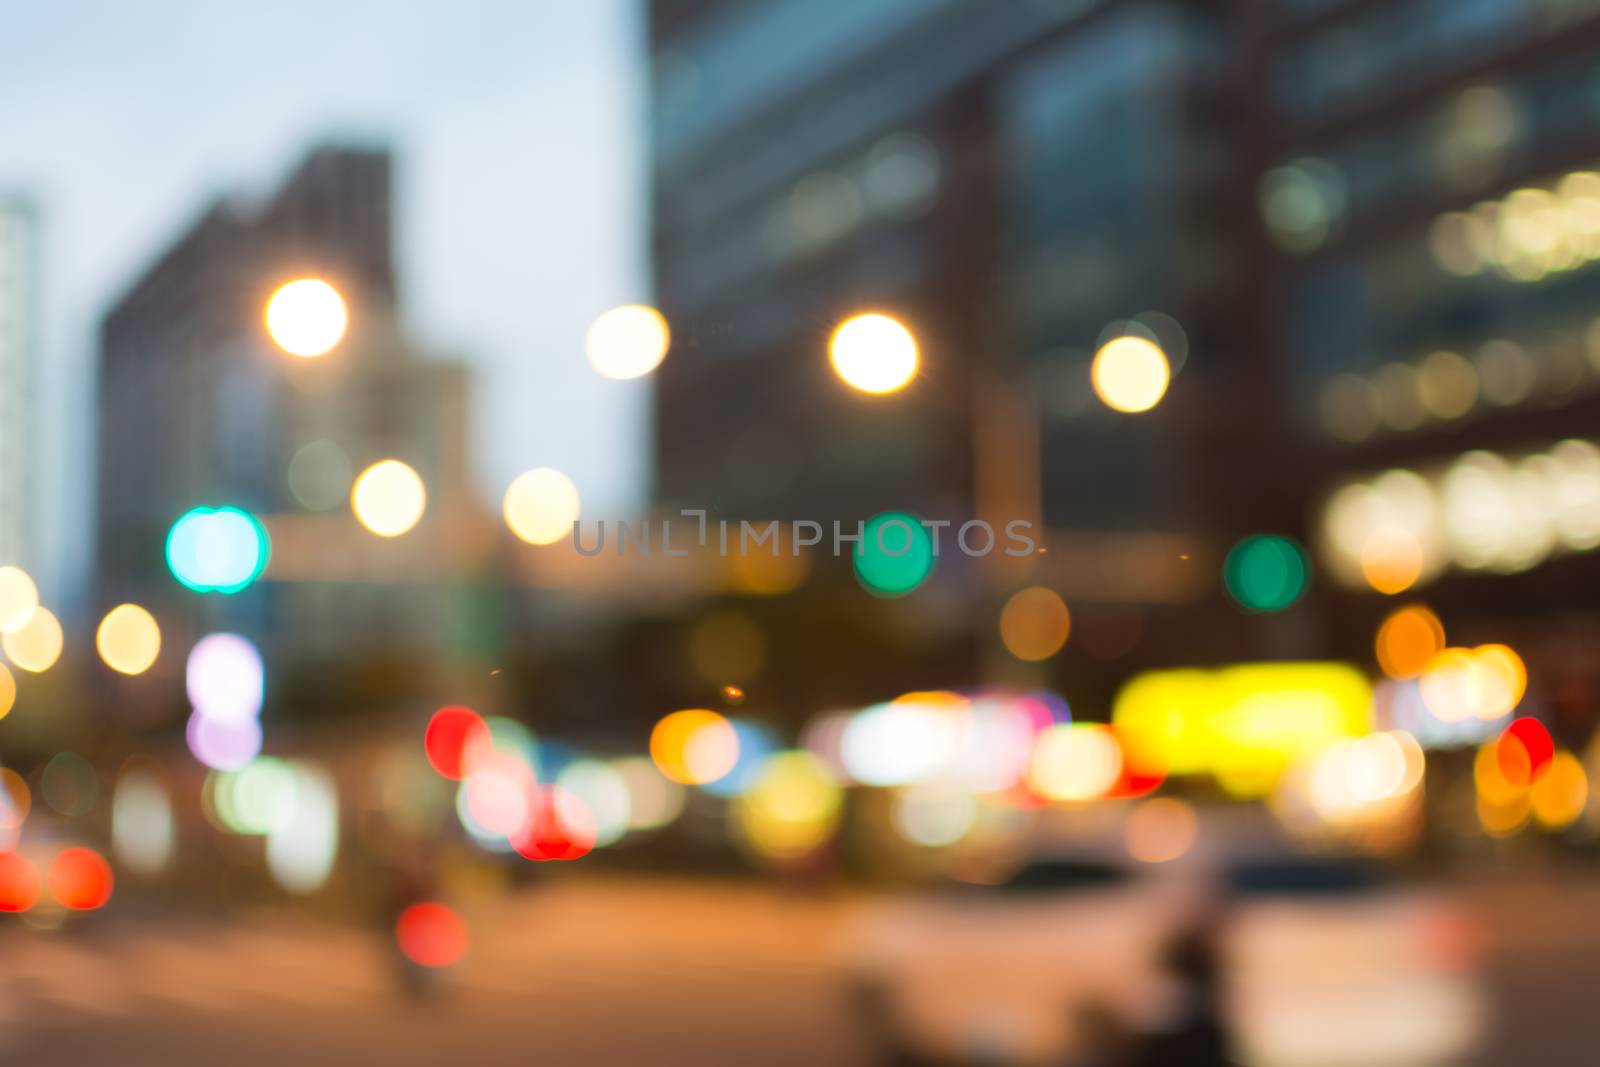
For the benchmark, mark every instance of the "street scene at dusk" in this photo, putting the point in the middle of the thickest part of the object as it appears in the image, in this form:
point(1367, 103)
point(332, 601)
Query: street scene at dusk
point(864, 532)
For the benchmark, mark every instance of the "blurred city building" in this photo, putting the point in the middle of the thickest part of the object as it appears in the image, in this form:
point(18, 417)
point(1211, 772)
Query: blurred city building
point(1041, 178)
point(1360, 231)
point(198, 408)
point(1432, 203)
point(19, 399)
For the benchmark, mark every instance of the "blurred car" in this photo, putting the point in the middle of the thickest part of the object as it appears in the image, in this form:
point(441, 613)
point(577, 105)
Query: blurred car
point(1321, 962)
point(1329, 963)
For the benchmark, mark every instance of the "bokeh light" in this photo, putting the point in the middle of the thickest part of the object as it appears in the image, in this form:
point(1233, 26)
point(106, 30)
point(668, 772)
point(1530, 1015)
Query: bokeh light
point(541, 505)
point(792, 809)
point(1524, 751)
point(1266, 573)
point(257, 798)
point(1161, 829)
point(307, 317)
point(223, 745)
point(1130, 374)
point(757, 743)
point(1408, 639)
point(498, 791)
point(604, 792)
point(18, 598)
point(561, 826)
point(319, 475)
point(8, 691)
point(16, 801)
point(225, 678)
point(303, 841)
point(388, 498)
point(142, 828)
point(895, 554)
point(431, 934)
point(1034, 623)
point(694, 746)
point(129, 640)
point(654, 800)
point(80, 879)
point(451, 733)
point(217, 550)
point(874, 353)
point(19, 882)
point(1076, 762)
point(914, 738)
point(36, 646)
point(934, 814)
point(627, 342)
point(1561, 794)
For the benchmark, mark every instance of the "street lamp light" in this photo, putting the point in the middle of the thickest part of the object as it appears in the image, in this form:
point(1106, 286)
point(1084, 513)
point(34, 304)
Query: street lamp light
point(874, 354)
point(307, 317)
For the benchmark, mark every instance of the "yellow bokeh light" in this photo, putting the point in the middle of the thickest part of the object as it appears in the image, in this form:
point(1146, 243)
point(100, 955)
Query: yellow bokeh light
point(1161, 829)
point(37, 645)
point(18, 597)
point(1486, 682)
point(874, 353)
point(1561, 793)
point(628, 341)
point(128, 639)
point(1130, 374)
point(793, 808)
point(541, 505)
point(307, 317)
point(1407, 640)
point(1034, 623)
point(1074, 762)
point(1245, 724)
point(8, 692)
point(1505, 680)
point(388, 498)
point(694, 746)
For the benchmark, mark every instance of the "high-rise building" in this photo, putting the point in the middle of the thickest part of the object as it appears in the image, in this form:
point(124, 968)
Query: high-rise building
point(1433, 193)
point(199, 408)
point(19, 341)
point(1018, 182)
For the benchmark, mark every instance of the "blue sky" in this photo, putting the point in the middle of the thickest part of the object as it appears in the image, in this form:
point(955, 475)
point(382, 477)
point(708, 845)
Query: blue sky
point(518, 129)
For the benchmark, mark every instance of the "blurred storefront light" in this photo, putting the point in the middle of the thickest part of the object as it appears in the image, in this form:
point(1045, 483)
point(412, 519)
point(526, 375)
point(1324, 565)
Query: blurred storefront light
point(1246, 724)
point(1483, 511)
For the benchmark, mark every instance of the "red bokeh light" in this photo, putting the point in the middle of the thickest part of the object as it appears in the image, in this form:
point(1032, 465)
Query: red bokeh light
point(80, 879)
point(1142, 773)
point(562, 827)
point(19, 882)
point(431, 934)
point(446, 740)
point(1525, 751)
